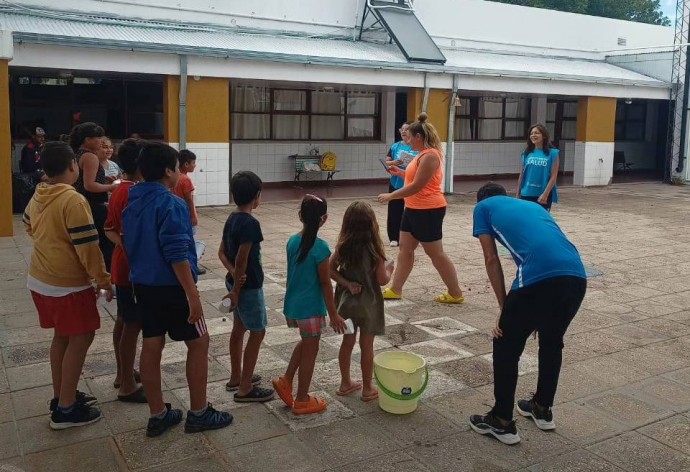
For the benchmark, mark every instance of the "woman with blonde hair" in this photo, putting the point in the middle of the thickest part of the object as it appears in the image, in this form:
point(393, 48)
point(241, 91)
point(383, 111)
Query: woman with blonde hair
point(425, 208)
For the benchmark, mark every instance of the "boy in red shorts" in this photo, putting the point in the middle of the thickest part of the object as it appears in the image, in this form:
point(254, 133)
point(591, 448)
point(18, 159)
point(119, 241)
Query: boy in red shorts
point(64, 261)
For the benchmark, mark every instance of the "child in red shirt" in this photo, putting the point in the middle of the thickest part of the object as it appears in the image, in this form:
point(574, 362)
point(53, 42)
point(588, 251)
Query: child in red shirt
point(185, 190)
point(128, 323)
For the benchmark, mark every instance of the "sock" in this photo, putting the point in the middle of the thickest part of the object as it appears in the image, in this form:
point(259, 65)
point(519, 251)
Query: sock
point(199, 412)
point(67, 410)
point(160, 415)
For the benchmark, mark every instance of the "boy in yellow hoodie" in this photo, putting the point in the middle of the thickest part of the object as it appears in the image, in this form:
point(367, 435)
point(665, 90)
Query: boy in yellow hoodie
point(64, 261)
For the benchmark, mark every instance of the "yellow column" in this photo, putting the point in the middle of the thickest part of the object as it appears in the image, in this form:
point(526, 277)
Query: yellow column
point(596, 129)
point(437, 108)
point(208, 110)
point(5, 152)
point(171, 109)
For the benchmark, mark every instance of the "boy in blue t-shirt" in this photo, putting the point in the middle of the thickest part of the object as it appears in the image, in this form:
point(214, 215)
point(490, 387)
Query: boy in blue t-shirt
point(549, 287)
point(240, 253)
point(160, 248)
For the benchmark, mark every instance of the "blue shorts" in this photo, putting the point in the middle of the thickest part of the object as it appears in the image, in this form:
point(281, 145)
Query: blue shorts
point(251, 308)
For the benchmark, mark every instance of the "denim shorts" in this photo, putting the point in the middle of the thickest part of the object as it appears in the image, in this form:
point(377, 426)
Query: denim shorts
point(251, 308)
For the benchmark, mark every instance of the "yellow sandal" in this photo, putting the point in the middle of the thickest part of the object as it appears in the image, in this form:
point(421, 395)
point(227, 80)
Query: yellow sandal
point(450, 299)
point(389, 294)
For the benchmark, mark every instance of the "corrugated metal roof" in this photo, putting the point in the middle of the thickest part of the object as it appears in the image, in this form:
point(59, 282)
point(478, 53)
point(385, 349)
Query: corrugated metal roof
point(204, 40)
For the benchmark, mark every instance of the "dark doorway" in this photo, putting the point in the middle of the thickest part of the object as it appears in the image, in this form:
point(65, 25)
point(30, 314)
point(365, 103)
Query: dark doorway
point(400, 112)
point(662, 137)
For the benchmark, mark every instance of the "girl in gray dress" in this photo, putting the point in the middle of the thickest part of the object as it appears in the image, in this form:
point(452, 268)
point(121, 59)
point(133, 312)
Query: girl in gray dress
point(358, 266)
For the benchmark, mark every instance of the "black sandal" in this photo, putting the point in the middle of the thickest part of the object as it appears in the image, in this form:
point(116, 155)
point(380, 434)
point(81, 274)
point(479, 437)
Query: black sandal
point(257, 394)
point(256, 380)
point(138, 396)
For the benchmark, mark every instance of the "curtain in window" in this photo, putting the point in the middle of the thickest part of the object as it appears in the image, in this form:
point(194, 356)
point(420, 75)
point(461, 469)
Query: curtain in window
point(250, 125)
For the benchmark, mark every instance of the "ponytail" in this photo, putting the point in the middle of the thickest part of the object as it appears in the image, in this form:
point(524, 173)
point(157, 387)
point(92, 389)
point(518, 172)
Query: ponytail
point(312, 210)
point(427, 130)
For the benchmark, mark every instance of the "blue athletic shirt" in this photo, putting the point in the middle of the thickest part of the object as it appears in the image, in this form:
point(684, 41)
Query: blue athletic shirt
point(538, 246)
point(394, 153)
point(303, 295)
point(537, 172)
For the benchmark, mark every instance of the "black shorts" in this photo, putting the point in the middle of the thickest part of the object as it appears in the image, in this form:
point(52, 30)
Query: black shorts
point(164, 310)
point(126, 305)
point(546, 206)
point(425, 225)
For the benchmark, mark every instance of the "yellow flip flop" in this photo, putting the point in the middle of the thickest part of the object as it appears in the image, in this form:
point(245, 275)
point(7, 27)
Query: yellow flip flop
point(389, 294)
point(450, 299)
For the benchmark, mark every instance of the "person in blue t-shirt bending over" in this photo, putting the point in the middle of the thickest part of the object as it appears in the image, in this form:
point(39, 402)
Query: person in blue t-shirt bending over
point(540, 163)
point(396, 207)
point(549, 287)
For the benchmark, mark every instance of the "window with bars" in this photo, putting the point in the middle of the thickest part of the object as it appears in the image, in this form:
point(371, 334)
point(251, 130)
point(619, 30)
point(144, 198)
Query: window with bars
point(561, 120)
point(263, 113)
point(631, 121)
point(492, 118)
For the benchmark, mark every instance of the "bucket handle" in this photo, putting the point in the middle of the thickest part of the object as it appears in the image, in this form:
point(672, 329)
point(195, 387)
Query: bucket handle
point(397, 396)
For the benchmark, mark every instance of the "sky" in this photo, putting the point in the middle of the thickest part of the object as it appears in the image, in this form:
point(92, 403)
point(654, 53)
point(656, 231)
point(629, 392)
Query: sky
point(669, 8)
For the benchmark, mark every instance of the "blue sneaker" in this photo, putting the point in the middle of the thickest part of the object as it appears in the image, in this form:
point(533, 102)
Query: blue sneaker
point(209, 419)
point(158, 426)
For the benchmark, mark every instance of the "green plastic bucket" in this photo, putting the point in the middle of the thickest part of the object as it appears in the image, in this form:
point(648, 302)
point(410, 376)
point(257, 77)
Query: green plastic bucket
point(402, 377)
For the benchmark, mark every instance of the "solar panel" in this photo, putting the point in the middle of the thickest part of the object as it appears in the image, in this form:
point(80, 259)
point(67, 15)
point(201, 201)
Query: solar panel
point(409, 34)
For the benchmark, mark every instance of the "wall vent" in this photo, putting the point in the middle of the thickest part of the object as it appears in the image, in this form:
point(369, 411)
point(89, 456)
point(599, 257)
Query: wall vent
point(622, 42)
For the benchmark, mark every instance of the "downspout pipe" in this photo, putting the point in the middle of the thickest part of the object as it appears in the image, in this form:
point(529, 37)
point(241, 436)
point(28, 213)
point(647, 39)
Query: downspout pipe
point(449, 170)
point(183, 102)
point(683, 151)
point(425, 100)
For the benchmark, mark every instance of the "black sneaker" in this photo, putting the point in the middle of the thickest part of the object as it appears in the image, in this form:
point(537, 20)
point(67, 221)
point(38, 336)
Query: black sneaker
point(158, 426)
point(210, 419)
point(489, 424)
point(543, 417)
point(82, 399)
point(81, 415)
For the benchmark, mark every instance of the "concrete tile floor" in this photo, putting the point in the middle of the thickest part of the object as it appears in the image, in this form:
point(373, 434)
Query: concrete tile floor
point(623, 401)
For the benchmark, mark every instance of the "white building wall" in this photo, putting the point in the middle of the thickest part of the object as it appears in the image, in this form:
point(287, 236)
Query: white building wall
point(478, 158)
point(211, 177)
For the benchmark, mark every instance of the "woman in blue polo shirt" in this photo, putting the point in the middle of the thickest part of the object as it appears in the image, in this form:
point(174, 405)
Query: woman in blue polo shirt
point(540, 163)
point(396, 207)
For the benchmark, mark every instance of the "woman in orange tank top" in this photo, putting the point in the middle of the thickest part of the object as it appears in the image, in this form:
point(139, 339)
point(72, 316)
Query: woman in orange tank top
point(425, 208)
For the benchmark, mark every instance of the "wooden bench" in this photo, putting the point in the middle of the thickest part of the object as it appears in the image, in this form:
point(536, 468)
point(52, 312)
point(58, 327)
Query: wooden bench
point(311, 160)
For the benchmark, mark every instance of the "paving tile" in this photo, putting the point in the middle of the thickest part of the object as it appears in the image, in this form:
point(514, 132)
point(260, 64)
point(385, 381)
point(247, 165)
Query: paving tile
point(575, 461)
point(215, 394)
point(443, 327)
point(476, 343)
point(286, 453)
point(100, 455)
point(380, 343)
point(391, 462)
point(673, 432)
point(9, 446)
point(527, 364)
point(633, 451)
point(422, 426)
point(6, 410)
point(400, 335)
point(348, 441)
point(175, 375)
point(612, 371)
point(631, 411)
point(35, 434)
point(662, 392)
point(15, 464)
point(252, 424)
point(335, 412)
point(212, 463)
point(583, 425)
point(436, 351)
point(281, 335)
point(473, 371)
point(29, 376)
point(460, 405)
point(174, 446)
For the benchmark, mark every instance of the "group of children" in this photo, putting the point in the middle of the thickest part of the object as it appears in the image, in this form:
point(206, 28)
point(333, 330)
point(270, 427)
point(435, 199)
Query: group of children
point(154, 271)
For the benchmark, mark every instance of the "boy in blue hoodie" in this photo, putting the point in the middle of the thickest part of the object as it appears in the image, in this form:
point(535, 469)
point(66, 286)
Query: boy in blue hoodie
point(160, 246)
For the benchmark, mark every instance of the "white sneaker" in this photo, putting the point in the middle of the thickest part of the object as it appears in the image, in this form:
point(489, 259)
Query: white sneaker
point(394, 243)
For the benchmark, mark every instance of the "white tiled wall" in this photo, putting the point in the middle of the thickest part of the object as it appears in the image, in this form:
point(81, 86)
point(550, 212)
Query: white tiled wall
point(568, 155)
point(270, 161)
point(212, 174)
point(487, 158)
point(593, 163)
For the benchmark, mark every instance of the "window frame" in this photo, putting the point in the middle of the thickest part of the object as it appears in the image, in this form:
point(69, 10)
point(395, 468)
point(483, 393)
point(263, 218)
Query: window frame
point(626, 121)
point(308, 112)
point(474, 118)
point(560, 118)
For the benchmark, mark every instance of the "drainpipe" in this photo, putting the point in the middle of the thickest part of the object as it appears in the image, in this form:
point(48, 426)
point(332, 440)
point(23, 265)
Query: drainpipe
point(425, 100)
point(183, 102)
point(683, 151)
point(450, 147)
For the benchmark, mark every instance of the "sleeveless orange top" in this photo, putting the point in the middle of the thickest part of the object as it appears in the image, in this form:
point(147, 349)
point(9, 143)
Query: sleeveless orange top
point(431, 196)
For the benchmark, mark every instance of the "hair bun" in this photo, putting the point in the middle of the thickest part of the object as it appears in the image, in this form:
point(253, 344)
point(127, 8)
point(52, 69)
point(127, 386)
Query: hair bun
point(422, 117)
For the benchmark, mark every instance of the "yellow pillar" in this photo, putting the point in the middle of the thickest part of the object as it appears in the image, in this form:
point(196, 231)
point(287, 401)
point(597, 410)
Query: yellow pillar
point(437, 108)
point(596, 129)
point(208, 110)
point(171, 109)
point(5, 152)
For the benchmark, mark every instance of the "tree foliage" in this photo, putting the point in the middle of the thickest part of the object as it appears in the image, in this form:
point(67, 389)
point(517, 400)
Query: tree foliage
point(643, 11)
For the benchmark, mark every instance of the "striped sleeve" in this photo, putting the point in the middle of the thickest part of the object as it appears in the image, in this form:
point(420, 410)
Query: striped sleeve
point(84, 237)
